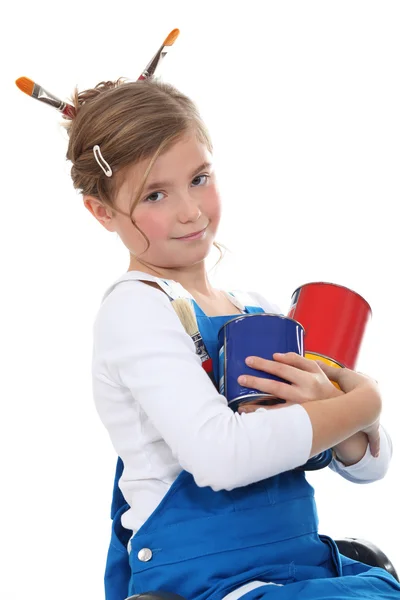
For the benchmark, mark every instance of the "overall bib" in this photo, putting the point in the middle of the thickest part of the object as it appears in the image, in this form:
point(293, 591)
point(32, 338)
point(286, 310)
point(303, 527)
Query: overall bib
point(203, 544)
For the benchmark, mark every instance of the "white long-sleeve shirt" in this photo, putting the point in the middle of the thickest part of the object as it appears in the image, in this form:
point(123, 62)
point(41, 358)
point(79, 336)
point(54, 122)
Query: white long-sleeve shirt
point(163, 413)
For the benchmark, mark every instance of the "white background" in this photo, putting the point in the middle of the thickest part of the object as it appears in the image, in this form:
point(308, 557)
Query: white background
point(302, 100)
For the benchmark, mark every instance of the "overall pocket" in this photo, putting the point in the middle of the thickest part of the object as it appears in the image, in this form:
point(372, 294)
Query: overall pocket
point(279, 575)
point(335, 560)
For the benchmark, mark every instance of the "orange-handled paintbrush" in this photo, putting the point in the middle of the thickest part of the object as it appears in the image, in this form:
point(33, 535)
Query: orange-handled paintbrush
point(36, 91)
point(150, 70)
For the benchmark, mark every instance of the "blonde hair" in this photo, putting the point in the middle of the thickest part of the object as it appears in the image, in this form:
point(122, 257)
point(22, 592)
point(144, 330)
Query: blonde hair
point(131, 122)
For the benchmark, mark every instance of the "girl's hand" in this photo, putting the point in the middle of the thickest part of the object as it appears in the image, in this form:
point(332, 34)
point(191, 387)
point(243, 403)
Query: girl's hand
point(348, 380)
point(308, 381)
point(374, 438)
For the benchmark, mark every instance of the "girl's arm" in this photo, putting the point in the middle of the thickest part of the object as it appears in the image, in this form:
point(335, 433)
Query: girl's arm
point(335, 416)
point(352, 457)
point(337, 419)
point(364, 457)
point(351, 451)
point(140, 346)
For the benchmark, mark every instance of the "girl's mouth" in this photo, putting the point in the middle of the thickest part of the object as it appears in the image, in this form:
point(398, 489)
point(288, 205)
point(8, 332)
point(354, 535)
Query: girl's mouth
point(193, 236)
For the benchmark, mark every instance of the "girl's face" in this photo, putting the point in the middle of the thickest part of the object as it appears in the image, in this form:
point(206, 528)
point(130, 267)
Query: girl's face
point(180, 199)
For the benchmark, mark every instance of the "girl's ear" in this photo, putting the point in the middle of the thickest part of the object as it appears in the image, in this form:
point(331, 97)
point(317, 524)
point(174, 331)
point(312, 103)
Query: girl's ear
point(100, 212)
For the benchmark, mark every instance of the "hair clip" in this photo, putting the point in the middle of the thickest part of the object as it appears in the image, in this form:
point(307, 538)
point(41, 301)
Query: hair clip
point(103, 164)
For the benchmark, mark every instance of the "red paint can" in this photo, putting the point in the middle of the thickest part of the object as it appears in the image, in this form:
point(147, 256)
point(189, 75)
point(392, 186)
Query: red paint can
point(334, 318)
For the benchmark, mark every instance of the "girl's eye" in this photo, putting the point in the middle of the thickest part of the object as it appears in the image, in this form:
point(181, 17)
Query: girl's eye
point(153, 198)
point(200, 177)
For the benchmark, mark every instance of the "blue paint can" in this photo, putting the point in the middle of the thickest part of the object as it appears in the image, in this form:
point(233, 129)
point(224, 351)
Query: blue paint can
point(254, 335)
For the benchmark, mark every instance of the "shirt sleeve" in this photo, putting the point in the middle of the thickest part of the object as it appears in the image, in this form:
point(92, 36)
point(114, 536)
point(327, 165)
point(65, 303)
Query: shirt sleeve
point(141, 344)
point(369, 468)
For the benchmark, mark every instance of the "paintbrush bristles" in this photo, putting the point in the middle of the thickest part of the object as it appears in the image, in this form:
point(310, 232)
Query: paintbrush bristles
point(184, 309)
point(171, 38)
point(25, 85)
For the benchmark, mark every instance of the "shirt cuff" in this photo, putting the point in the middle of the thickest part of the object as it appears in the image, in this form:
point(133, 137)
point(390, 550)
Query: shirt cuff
point(369, 468)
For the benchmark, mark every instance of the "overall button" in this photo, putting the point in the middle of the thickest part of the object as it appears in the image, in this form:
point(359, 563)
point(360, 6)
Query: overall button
point(145, 554)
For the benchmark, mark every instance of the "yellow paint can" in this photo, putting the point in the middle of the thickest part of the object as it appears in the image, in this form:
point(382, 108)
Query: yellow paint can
point(326, 360)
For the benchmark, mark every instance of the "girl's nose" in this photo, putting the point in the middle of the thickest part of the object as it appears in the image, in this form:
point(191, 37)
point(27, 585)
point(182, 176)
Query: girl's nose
point(189, 209)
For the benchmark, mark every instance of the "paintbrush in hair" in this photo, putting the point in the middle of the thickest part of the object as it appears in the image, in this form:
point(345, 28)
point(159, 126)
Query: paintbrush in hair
point(36, 91)
point(151, 68)
point(185, 311)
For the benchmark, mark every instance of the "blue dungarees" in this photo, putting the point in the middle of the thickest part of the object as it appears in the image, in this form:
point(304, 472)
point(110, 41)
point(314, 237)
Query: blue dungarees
point(203, 544)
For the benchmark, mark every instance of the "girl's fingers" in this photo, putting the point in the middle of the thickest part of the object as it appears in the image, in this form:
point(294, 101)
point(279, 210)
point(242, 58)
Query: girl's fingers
point(346, 378)
point(285, 368)
point(297, 361)
point(285, 391)
point(374, 444)
point(333, 373)
point(291, 359)
point(249, 408)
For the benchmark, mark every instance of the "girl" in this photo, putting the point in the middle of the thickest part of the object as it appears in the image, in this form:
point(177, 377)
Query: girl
point(213, 502)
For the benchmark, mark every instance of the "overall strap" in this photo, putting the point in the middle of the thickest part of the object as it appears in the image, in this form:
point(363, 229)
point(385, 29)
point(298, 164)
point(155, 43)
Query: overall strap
point(183, 304)
point(118, 501)
point(246, 302)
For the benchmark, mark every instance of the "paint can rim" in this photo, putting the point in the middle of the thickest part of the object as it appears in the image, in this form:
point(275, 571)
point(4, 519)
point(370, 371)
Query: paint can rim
point(324, 356)
point(344, 287)
point(239, 317)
